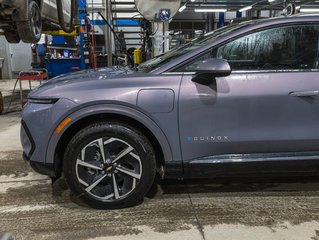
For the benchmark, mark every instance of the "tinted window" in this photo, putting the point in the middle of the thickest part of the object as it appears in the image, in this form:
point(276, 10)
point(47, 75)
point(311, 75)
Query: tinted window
point(283, 48)
point(160, 60)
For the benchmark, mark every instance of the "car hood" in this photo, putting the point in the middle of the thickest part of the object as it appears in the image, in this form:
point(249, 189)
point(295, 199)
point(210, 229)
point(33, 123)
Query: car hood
point(88, 75)
point(114, 77)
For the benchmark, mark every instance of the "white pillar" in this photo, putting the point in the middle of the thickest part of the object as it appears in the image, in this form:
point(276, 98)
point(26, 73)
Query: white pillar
point(5, 53)
point(161, 39)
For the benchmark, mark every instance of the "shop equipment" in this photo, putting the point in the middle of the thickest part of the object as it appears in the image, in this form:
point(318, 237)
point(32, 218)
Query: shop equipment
point(32, 75)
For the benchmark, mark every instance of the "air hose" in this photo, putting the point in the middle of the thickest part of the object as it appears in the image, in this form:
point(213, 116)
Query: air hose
point(69, 28)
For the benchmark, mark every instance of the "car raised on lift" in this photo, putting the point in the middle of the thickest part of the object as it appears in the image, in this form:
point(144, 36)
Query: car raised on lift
point(238, 101)
point(25, 19)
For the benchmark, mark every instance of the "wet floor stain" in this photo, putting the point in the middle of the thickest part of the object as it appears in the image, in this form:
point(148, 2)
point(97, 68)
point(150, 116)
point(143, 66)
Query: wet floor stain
point(31, 208)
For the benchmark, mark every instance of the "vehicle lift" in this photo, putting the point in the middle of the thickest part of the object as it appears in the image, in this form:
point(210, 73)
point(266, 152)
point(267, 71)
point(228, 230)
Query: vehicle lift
point(40, 74)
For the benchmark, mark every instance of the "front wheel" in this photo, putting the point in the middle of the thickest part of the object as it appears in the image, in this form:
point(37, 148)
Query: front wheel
point(109, 165)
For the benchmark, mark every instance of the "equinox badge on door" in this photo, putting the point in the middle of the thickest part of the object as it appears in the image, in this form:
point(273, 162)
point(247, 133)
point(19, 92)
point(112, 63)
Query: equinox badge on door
point(207, 139)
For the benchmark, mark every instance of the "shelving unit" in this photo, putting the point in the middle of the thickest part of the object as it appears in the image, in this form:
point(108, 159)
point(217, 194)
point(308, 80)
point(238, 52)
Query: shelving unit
point(67, 52)
point(63, 55)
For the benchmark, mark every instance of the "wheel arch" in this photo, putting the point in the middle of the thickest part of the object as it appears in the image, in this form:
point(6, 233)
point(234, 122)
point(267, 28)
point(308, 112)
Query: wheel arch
point(134, 118)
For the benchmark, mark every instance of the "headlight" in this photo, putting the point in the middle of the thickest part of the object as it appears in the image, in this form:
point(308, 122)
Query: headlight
point(43, 100)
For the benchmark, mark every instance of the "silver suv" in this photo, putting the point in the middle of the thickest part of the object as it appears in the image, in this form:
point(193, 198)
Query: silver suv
point(25, 19)
point(241, 100)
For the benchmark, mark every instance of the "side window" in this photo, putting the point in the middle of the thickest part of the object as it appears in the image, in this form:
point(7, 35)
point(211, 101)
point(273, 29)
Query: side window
point(191, 66)
point(282, 48)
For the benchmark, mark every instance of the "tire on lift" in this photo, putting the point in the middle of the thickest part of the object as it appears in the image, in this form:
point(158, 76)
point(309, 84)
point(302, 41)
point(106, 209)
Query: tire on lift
point(30, 31)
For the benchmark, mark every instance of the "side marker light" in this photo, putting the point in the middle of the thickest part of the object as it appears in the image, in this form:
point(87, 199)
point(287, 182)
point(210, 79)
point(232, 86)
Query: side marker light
point(62, 125)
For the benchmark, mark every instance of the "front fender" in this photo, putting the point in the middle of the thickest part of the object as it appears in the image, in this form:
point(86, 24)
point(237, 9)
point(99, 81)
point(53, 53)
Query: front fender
point(127, 111)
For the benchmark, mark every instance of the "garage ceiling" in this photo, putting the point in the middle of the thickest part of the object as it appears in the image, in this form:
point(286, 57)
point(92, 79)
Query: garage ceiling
point(128, 6)
point(238, 4)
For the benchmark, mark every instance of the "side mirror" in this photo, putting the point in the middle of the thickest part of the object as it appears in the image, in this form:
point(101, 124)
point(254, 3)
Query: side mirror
point(209, 69)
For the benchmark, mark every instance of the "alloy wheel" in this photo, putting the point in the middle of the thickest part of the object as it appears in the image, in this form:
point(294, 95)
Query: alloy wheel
point(36, 21)
point(108, 169)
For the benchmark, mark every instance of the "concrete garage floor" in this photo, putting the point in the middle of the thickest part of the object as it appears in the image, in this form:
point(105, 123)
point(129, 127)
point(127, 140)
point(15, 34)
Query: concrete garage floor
point(270, 209)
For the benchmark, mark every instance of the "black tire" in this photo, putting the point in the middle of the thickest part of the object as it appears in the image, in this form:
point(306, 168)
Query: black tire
point(119, 136)
point(11, 36)
point(30, 31)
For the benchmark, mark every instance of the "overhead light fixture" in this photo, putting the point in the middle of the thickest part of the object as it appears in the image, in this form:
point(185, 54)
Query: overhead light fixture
point(210, 10)
point(245, 8)
point(182, 8)
point(193, 0)
point(125, 6)
point(271, 0)
point(309, 10)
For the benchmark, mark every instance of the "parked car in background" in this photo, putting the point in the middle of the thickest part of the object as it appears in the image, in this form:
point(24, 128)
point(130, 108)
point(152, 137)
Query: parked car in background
point(239, 101)
point(26, 19)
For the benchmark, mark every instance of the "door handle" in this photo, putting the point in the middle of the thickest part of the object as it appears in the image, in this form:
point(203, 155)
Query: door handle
point(304, 94)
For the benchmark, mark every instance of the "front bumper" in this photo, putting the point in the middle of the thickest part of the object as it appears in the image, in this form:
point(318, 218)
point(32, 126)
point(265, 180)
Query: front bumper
point(27, 141)
point(37, 126)
point(42, 168)
point(28, 150)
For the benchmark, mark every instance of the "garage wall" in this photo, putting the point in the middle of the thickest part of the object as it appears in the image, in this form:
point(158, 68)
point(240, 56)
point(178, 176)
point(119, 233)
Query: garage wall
point(5, 53)
point(17, 57)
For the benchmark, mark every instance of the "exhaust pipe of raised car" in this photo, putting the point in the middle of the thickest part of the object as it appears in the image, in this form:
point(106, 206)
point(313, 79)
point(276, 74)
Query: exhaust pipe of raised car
point(70, 27)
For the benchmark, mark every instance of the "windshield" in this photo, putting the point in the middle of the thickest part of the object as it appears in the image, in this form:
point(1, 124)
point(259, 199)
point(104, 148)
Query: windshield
point(160, 60)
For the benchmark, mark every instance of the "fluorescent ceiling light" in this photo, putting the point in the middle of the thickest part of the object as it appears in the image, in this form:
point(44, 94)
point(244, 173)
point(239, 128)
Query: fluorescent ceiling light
point(182, 8)
point(245, 8)
point(124, 6)
point(309, 10)
point(210, 10)
point(271, 0)
point(193, 0)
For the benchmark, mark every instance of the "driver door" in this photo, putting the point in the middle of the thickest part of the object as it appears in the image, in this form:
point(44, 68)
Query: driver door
point(264, 116)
